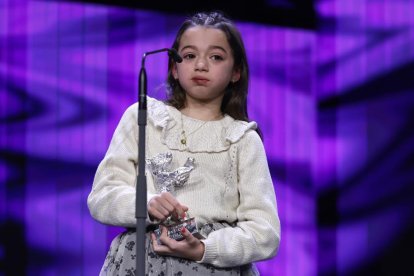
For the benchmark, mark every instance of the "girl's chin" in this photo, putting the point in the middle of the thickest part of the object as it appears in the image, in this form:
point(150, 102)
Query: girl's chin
point(203, 92)
point(205, 98)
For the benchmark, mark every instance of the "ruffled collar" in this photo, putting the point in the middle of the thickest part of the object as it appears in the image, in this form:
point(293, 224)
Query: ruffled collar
point(210, 136)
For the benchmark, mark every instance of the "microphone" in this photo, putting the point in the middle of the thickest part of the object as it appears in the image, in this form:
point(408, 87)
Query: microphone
point(172, 53)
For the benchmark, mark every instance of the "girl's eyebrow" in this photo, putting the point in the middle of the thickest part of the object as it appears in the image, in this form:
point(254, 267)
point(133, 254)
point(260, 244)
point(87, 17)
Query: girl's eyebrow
point(188, 47)
point(212, 47)
point(215, 47)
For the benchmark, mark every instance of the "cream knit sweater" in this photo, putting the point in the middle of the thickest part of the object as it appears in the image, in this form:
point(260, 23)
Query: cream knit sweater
point(231, 181)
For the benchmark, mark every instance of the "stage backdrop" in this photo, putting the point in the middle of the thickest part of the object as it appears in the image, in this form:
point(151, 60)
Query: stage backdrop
point(334, 103)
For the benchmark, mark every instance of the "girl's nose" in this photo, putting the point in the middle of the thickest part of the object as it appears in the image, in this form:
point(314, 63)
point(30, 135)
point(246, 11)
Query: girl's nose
point(201, 65)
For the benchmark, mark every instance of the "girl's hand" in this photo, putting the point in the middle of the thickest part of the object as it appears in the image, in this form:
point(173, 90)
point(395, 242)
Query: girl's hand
point(189, 248)
point(162, 206)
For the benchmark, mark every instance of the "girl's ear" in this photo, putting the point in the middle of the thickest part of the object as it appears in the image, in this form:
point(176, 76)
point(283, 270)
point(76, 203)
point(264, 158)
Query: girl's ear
point(174, 71)
point(236, 75)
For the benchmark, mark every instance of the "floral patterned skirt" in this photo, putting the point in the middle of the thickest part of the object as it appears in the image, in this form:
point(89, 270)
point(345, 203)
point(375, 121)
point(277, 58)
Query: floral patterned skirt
point(121, 260)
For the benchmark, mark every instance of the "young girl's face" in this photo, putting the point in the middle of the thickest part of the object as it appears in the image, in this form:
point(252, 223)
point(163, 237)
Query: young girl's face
point(208, 64)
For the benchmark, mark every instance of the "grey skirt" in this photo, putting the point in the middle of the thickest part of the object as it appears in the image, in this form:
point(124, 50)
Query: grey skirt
point(121, 261)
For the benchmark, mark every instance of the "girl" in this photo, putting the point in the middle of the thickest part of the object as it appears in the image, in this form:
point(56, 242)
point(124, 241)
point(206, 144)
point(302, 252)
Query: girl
point(229, 192)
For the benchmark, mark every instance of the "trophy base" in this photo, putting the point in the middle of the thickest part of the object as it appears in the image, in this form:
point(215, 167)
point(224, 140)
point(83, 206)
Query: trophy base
point(174, 230)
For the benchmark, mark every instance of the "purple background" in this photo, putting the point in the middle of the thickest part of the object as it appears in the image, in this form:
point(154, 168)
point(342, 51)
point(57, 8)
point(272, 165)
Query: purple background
point(334, 104)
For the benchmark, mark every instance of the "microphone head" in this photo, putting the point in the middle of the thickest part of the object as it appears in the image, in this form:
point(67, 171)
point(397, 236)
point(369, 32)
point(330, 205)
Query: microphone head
point(172, 53)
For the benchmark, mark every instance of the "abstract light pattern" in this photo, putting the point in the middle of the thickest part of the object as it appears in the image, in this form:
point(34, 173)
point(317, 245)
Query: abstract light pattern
point(334, 104)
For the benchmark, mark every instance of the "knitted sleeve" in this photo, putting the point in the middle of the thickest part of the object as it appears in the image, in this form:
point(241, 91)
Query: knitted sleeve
point(112, 199)
point(257, 233)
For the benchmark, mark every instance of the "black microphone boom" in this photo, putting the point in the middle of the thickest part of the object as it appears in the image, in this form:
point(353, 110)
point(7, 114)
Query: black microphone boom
point(141, 181)
point(172, 53)
point(142, 96)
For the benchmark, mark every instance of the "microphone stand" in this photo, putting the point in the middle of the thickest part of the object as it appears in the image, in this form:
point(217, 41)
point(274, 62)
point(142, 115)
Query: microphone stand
point(141, 181)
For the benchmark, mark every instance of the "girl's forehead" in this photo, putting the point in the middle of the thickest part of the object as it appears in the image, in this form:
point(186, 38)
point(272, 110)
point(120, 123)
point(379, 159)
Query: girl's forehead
point(202, 35)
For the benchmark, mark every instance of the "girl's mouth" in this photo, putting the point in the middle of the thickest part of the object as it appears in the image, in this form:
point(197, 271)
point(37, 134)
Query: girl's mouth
point(200, 81)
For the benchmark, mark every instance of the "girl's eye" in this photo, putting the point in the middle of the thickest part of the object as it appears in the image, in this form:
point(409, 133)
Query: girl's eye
point(216, 57)
point(189, 56)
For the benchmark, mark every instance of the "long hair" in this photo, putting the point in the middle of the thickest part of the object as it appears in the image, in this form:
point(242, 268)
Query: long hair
point(235, 98)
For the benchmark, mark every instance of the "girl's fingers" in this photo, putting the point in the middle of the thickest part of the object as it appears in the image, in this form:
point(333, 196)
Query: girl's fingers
point(164, 205)
point(190, 247)
point(160, 248)
point(161, 203)
point(153, 240)
point(160, 208)
point(165, 211)
point(174, 204)
point(188, 236)
point(154, 215)
point(169, 246)
point(156, 211)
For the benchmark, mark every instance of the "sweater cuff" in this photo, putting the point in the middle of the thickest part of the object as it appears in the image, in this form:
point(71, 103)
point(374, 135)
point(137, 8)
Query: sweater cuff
point(210, 252)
